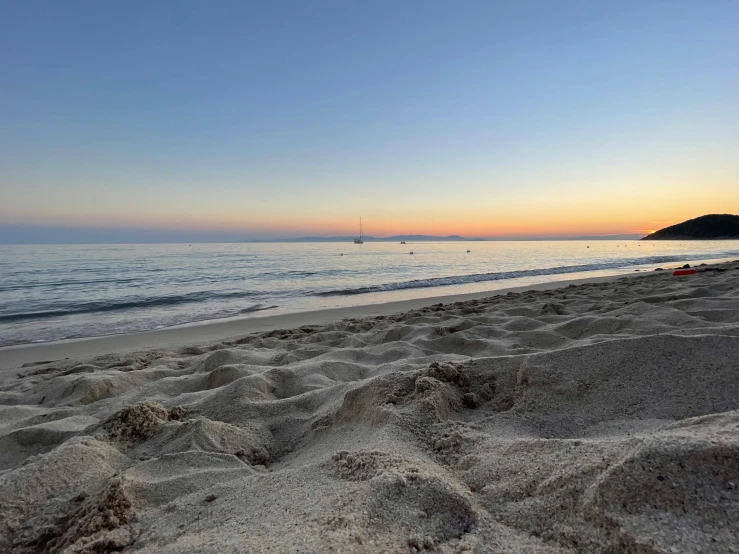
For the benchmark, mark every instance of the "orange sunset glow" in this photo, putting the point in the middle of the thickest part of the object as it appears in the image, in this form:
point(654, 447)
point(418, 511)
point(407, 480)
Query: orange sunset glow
point(594, 214)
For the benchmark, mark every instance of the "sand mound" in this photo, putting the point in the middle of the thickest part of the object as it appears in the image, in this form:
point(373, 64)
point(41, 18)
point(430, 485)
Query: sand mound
point(32, 495)
point(397, 503)
point(163, 480)
point(688, 484)
point(93, 526)
point(609, 384)
point(141, 421)
point(19, 444)
point(598, 418)
point(250, 443)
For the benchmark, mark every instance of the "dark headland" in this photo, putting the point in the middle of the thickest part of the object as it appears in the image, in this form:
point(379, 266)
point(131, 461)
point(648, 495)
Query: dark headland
point(706, 227)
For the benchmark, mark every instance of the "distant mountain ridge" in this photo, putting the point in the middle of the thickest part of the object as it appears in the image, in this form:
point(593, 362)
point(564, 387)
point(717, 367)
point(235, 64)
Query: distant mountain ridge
point(706, 227)
point(394, 238)
point(453, 238)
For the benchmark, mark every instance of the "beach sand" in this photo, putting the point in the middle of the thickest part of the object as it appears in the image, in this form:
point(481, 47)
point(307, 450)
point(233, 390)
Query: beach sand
point(594, 417)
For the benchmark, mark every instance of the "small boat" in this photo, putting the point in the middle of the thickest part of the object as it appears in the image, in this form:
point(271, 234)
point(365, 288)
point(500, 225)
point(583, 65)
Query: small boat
point(360, 240)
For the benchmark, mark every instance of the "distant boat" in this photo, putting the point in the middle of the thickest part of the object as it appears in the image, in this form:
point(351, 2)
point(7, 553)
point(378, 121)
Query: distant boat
point(360, 240)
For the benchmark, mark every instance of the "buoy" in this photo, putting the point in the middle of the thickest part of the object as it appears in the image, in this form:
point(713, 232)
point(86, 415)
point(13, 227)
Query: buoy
point(684, 272)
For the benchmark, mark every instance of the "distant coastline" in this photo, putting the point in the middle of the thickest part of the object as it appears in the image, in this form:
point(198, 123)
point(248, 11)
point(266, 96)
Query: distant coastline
point(450, 238)
point(17, 234)
point(366, 238)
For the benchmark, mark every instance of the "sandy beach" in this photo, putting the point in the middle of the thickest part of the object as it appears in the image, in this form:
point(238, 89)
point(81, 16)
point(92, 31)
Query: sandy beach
point(590, 416)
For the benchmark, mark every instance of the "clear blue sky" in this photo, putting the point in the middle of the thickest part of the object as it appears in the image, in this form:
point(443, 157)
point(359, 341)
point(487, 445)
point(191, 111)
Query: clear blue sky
point(288, 118)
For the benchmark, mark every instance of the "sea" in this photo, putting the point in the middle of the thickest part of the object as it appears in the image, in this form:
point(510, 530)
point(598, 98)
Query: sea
point(55, 292)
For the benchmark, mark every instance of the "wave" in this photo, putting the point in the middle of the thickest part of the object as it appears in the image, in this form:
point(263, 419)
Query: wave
point(55, 284)
point(297, 273)
point(503, 275)
point(289, 273)
point(125, 304)
point(257, 308)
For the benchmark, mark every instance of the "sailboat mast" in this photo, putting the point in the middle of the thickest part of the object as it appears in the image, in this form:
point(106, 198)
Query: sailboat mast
point(360, 228)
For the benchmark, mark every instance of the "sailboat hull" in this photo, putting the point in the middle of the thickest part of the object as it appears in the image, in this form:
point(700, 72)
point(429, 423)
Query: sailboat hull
point(361, 235)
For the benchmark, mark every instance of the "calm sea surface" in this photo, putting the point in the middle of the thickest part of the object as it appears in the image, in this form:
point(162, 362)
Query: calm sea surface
point(56, 292)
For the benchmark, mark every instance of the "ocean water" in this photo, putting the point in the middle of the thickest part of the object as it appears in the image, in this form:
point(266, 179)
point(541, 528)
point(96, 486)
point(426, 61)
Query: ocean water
point(52, 292)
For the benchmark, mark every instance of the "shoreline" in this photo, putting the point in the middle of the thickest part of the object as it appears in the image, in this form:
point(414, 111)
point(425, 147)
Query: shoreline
point(69, 314)
point(216, 330)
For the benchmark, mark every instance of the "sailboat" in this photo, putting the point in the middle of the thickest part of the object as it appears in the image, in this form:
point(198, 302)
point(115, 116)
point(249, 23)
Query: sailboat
point(361, 237)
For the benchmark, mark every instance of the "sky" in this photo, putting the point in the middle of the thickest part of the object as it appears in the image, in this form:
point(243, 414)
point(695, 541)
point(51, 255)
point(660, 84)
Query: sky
point(252, 120)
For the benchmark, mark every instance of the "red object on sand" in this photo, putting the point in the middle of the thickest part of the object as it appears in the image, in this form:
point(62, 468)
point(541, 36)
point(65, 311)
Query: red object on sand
point(685, 272)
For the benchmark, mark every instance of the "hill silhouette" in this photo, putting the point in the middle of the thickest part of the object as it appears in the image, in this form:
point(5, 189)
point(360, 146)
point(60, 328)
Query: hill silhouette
point(706, 227)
